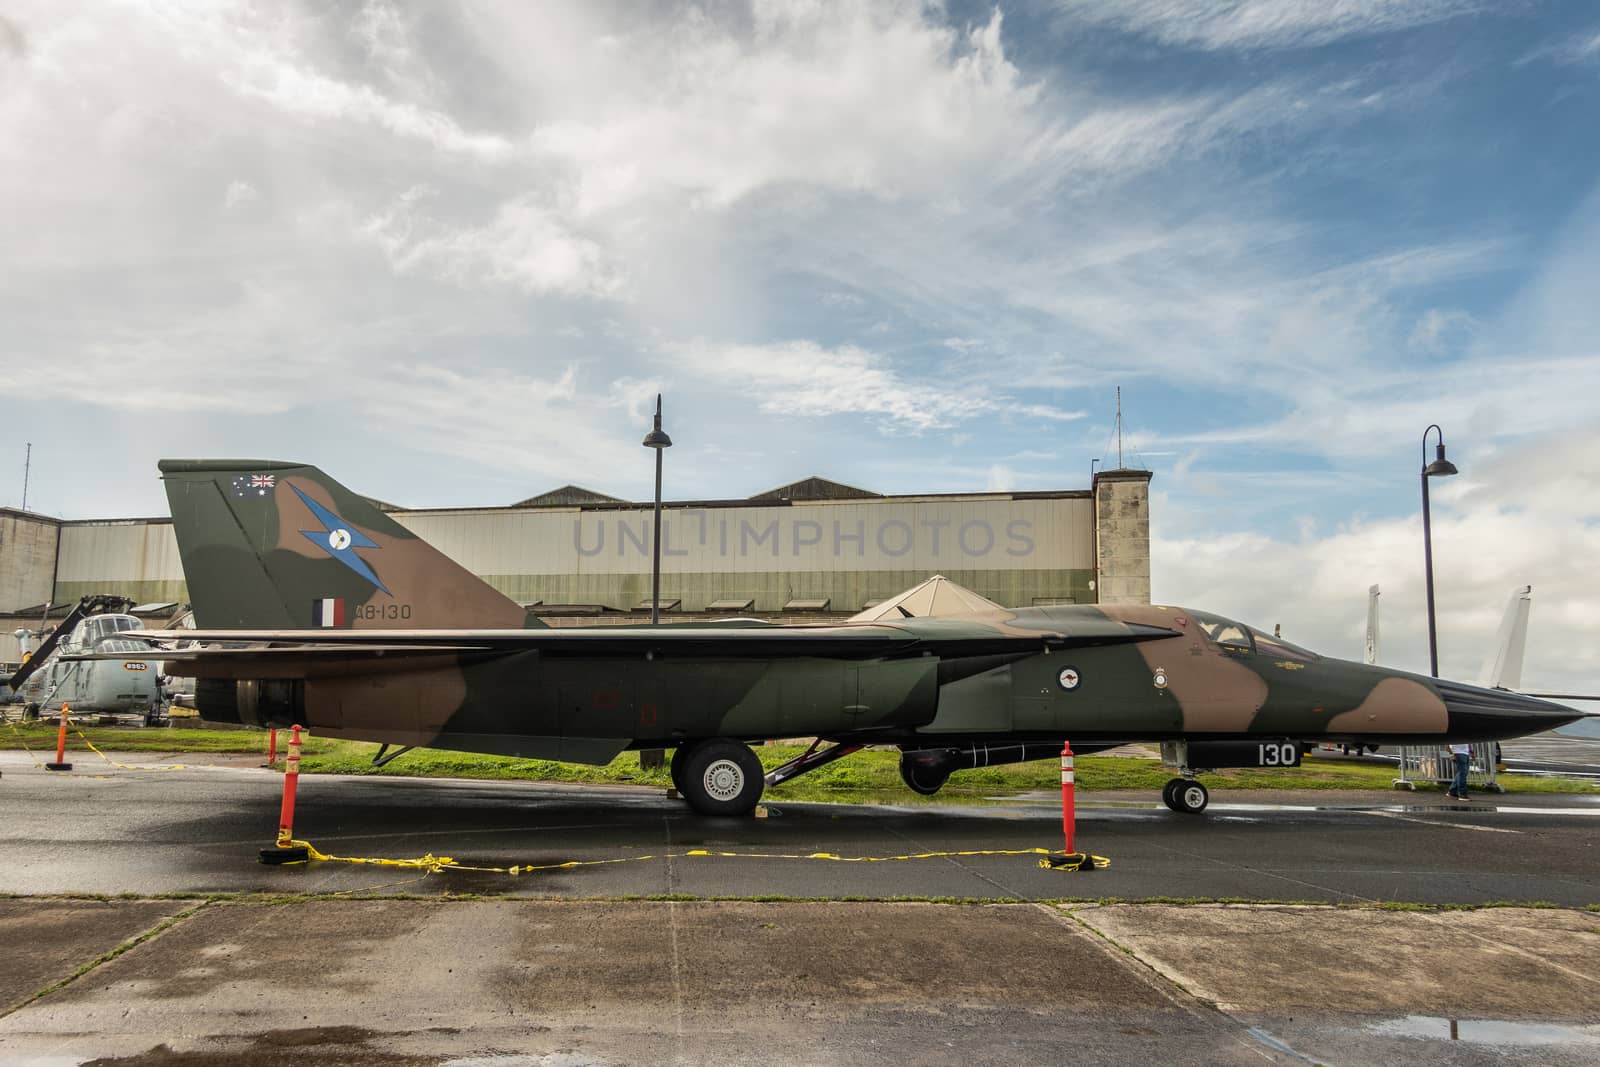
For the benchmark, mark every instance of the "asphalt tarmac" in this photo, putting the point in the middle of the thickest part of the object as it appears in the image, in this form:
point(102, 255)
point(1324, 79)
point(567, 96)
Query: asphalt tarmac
point(200, 954)
point(101, 829)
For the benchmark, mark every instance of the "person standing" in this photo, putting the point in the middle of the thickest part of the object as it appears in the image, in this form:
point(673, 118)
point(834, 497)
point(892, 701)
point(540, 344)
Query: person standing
point(1462, 755)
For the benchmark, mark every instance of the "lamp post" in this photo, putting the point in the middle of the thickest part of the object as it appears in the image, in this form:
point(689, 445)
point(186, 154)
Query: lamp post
point(652, 759)
point(1439, 468)
point(658, 440)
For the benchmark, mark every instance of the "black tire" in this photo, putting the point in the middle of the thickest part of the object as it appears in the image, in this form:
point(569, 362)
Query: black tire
point(680, 760)
point(1168, 793)
point(920, 778)
point(722, 778)
point(1191, 797)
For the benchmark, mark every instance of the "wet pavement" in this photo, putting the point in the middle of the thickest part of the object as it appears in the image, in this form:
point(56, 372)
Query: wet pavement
point(198, 830)
point(818, 961)
point(517, 982)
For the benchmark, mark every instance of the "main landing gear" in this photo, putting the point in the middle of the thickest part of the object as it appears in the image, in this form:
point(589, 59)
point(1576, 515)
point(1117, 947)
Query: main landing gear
point(718, 777)
point(1185, 795)
point(723, 777)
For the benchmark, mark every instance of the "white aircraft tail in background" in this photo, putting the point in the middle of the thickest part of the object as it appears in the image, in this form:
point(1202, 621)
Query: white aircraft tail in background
point(1372, 624)
point(1503, 668)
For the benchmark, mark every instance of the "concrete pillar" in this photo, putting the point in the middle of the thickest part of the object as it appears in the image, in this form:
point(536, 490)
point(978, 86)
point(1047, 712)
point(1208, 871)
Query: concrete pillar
point(28, 547)
point(1122, 536)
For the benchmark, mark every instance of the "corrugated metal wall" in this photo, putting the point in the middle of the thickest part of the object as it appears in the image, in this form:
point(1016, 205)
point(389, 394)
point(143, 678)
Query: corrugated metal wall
point(849, 552)
point(1016, 552)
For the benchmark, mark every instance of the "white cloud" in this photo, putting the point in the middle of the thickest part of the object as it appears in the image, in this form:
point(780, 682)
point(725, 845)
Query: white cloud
point(804, 379)
point(504, 421)
point(1442, 329)
point(239, 192)
point(1583, 47)
point(527, 246)
point(1215, 24)
point(1525, 520)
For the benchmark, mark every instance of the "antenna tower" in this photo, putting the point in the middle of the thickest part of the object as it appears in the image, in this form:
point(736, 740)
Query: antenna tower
point(1119, 427)
point(27, 466)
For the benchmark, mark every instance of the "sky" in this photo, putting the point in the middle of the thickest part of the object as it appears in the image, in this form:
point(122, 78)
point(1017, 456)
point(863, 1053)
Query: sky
point(450, 252)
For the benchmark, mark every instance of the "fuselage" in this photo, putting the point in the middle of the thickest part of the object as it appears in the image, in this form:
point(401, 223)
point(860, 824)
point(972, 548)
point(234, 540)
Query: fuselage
point(1217, 679)
point(1085, 673)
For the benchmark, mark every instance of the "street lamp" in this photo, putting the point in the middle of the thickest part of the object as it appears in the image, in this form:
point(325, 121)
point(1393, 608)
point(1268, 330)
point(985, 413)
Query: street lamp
point(658, 440)
point(1439, 468)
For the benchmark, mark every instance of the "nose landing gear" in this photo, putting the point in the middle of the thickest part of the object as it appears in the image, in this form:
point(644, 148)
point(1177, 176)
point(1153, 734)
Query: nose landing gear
point(1185, 795)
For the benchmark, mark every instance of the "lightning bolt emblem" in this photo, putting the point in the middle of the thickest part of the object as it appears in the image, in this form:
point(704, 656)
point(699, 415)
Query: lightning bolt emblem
point(338, 540)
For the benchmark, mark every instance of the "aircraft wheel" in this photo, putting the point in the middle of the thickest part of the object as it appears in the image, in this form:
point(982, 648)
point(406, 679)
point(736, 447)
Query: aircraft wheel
point(1190, 797)
point(722, 778)
point(920, 779)
point(680, 760)
point(1168, 792)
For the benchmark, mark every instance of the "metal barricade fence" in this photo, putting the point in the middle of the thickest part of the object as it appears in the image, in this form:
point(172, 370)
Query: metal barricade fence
point(1436, 763)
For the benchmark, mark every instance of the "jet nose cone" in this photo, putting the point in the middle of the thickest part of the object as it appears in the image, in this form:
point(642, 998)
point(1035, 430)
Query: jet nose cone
point(1478, 714)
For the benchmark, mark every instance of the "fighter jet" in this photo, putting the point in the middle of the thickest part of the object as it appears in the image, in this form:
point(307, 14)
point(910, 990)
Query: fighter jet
point(316, 608)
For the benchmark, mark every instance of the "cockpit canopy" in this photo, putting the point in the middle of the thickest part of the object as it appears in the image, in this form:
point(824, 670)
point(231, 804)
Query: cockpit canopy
point(98, 632)
point(1239, 639)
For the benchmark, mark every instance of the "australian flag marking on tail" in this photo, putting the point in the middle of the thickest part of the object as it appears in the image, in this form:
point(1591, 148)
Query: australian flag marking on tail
point(257, 485)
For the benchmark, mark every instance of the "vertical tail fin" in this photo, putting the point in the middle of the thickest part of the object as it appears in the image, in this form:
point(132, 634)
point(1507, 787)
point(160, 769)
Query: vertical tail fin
point(1372, 624)
point(273, 545)
point(1503, 668)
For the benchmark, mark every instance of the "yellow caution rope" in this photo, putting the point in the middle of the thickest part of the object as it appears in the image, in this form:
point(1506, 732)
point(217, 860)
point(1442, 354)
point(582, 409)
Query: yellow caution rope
point(23, 738)
point(125, 766)
point(440, 864)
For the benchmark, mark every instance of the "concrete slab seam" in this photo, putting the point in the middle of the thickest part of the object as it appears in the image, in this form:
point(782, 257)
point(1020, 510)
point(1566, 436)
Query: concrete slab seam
point(1153, 975)
point(1438, 919)
point(1251, 1038)
point(106, 957)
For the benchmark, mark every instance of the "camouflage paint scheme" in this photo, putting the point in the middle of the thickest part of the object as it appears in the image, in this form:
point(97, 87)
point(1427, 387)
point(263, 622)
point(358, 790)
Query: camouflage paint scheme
point(415, 650)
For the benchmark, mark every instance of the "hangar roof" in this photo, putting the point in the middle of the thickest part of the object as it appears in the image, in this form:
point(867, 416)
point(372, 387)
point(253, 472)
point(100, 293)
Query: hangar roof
point(815, 488)
point(567, 496)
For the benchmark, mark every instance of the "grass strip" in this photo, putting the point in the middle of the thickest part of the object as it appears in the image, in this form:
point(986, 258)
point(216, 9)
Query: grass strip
point(867, 777)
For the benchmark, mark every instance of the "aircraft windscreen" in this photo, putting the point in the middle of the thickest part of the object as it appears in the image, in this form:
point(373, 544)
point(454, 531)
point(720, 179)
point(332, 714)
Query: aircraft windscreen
point(94, 630)
point(1279, 649)
point(1224, 633)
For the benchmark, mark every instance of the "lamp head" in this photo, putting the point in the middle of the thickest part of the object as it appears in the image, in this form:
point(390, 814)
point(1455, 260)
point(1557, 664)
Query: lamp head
point(1440, 467)
point(657, 438)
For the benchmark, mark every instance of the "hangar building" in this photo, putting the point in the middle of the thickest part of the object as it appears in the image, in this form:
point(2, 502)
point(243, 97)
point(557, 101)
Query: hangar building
point(813, 549)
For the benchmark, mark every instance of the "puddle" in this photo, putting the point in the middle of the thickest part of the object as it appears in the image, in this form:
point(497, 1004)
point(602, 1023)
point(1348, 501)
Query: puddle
point(1485, 1031)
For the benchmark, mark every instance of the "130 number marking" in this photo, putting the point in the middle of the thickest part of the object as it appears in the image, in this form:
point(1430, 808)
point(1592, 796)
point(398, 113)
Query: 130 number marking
point(1278, 754)
point(382, 611)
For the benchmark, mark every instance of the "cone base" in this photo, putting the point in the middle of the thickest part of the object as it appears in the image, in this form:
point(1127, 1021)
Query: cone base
point(276, 856)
